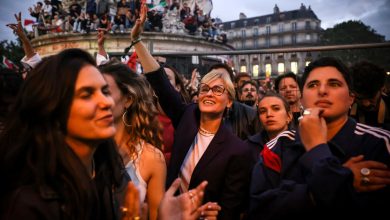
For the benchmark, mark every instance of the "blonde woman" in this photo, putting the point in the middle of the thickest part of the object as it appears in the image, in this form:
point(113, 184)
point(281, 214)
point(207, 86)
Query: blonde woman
point(204, 148)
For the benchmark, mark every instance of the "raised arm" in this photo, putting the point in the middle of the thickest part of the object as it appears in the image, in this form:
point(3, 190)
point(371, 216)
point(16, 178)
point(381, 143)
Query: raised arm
point(149, 64)
point(18, 30)
point(100, 42)
point(169, 98)
point(102, 55)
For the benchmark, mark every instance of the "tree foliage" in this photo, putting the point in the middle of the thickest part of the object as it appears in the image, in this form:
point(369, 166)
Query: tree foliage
point(356, 32)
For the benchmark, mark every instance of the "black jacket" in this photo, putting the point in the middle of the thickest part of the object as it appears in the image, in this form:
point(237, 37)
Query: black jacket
point(44, 203)
point(242, 120)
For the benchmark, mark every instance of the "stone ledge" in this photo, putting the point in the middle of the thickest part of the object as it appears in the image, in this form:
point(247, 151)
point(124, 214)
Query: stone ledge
point(50, 44)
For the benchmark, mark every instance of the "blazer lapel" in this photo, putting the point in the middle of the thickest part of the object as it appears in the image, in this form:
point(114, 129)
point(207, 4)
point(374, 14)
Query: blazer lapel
point(182, 143)
point(215, 146)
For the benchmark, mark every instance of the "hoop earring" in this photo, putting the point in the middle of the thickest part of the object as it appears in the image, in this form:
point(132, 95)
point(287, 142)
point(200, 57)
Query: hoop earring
point(124, 120)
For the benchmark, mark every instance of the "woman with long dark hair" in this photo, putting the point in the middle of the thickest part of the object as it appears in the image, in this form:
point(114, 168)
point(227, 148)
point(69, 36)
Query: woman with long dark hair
point(57, 154)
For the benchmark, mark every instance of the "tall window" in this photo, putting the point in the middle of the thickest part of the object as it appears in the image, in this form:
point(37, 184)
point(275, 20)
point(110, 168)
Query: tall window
point(268, 30)
point(293, 39)
point(256, 43)
point(307, 63)
point(281, 28)
point(232, 25)
point(307, 25)
point(255, 70)
point(268, 70)
point(243, 33)
point(255, 32)
point(280, 39)
point(267, 42)
point(308, 37)
point(242, 68)
point(294, 26)
point(268, 19)
point(280, 68)
point(294, 67)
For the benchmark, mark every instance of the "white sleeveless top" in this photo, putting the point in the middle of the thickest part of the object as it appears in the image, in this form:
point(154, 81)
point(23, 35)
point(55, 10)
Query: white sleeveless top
point(132, 168)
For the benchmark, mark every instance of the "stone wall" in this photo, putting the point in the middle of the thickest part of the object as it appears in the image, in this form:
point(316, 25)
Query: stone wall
point(116, 43)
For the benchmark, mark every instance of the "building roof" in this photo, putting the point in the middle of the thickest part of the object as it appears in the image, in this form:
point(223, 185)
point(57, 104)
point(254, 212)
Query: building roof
point(302, 13)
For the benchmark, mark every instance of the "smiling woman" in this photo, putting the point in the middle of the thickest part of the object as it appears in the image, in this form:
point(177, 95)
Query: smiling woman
point(204, 148)
point(57, 151)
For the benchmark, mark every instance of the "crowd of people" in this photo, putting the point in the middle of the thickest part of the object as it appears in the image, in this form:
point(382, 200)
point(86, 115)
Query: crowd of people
point(85, 138)
point(52, 17)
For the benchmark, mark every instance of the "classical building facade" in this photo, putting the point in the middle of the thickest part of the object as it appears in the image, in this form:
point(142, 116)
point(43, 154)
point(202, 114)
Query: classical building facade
point(289, 29)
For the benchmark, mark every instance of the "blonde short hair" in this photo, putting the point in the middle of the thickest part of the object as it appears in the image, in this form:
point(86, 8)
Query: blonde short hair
point(228, 84)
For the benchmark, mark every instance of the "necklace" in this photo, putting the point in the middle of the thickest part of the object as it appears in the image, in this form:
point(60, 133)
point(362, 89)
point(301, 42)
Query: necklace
point(205, 132)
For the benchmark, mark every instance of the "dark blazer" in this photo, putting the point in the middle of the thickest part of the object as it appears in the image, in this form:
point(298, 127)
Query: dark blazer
point(243, 120)
point(226, 164)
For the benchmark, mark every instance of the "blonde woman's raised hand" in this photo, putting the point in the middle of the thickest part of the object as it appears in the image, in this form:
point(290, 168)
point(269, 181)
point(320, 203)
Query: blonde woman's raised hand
point(138, 27)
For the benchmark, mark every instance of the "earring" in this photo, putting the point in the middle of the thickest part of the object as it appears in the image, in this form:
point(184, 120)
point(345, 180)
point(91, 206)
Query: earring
point(124, 119)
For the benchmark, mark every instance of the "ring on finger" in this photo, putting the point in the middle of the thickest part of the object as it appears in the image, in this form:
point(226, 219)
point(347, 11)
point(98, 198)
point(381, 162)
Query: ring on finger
point(365, 171)
point(193, 200)
point(306, 112)
point(191, 195)
point(365, 181)
point(124, 210)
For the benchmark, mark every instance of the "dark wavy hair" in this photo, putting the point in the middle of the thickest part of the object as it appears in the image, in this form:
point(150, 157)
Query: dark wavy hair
point(284, 75)
point(368, 78)
point(33, 150)
point(179, 82)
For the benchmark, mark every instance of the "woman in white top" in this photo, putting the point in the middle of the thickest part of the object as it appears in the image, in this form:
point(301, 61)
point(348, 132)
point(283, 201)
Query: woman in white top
point(138, 136)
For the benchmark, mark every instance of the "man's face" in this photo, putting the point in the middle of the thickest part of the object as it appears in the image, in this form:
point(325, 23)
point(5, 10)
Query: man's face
point(288, 88)
point(368, 103)
point(248, 92)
